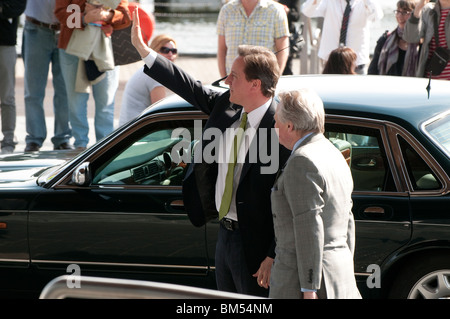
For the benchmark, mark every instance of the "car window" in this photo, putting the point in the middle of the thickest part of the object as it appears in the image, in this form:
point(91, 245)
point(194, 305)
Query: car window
point(364, 151)
point(420, 174)
point(439, 130)
point(154, 157)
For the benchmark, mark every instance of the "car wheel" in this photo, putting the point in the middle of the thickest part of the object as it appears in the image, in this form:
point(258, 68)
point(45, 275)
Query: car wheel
point(425, 279)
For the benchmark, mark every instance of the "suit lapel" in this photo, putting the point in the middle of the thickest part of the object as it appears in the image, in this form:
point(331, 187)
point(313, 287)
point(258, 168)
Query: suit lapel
point(226, 117)
point(266, 122)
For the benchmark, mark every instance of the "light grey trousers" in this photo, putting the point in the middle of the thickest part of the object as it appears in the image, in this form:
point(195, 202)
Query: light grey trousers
point(8, 57)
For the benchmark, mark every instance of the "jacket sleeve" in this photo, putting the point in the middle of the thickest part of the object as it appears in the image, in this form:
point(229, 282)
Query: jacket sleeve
point(373, 9)
point(182, 84)
point(12, 8)
point(122, 17)
point(307, 222)
point(411, 34)
point(312, 10)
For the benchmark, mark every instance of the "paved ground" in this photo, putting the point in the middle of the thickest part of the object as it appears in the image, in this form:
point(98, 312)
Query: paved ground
point(202, 68)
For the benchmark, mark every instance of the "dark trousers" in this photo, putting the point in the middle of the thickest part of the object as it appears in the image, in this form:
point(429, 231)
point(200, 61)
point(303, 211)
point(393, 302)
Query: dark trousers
point(232, 274)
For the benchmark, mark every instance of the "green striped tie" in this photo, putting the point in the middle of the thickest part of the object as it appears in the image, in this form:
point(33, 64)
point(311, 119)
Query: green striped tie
point(228, 191)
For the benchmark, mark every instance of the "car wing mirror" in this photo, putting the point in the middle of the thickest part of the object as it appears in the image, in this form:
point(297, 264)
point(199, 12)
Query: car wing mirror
point(82, 175)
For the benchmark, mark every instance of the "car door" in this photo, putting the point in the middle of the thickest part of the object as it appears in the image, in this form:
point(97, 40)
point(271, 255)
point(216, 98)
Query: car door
point(129, 218)
point(380, 201)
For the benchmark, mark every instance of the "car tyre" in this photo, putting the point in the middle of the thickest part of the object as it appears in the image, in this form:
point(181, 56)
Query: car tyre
point(427, 278)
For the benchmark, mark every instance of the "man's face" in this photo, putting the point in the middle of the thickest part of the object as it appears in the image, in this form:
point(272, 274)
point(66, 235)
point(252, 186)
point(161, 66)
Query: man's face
point(281, 129)
point(239, 86)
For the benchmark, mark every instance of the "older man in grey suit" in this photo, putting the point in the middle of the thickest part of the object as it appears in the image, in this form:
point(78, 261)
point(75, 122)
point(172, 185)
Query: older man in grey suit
point(311, 205)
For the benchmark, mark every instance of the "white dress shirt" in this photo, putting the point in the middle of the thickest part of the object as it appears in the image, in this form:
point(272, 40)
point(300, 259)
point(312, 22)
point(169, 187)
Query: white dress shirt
point(363, 13)
point(253, 120)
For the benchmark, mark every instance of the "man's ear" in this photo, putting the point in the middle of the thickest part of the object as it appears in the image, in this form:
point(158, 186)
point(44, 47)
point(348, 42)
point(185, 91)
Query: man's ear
point(290, 126)
point(256, 83)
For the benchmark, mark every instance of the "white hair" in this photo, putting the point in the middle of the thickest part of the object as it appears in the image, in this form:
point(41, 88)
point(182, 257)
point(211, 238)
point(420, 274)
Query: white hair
point(303, 108)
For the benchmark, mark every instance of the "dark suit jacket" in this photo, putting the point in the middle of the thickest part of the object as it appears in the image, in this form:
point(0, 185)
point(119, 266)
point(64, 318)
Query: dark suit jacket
point(253, 193)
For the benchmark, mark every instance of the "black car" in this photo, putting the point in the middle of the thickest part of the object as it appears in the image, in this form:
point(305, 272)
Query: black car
point(116, 210)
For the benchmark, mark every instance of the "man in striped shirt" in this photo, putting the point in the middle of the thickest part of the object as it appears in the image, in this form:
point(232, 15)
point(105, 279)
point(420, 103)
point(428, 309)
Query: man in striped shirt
point(421, 26)
point(255, 22)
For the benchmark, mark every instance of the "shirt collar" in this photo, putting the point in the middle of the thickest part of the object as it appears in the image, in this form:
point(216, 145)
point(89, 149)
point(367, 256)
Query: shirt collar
point(261, 3)
point(297, 144)
point(255, 116)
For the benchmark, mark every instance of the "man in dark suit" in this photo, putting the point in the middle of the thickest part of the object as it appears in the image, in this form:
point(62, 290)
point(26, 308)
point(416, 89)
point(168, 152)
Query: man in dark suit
point(246, 246)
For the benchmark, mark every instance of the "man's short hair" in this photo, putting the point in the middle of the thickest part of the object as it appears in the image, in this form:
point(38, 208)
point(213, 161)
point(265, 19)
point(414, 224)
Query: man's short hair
point(303, 108)
point(260, 64)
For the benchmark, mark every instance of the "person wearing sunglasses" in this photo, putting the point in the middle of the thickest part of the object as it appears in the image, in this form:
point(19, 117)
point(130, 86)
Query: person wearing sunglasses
point(393, 55)
point(141, 90)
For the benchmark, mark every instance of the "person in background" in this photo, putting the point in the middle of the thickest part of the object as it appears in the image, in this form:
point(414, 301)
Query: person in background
point(103, 91)
point(254, 22)
point(39, 50)
point(292, 8)
point(312, 207)
point(341, 61)
point(141, 90)
point(335, 33)
point(421, 26)
point(10, 11)
point(393, 55)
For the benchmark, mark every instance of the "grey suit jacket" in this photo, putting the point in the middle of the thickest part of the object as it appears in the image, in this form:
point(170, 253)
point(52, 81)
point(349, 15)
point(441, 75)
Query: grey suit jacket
point(314, 225)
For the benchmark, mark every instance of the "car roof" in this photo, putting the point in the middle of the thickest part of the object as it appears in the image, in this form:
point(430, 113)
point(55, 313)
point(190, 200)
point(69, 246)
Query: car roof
point(377, 96)
point(394, 98)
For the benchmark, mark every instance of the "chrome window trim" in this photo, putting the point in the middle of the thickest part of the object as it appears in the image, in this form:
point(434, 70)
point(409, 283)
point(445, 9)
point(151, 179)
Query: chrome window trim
point(381, 126)
point(359, 221)
point(389, 132)
point(363, 274)
point(395, 156)
point(107, 213)
point(397, 130)
point(62, 181)
point(92, 263)
point(381, 193)
point(14, 260)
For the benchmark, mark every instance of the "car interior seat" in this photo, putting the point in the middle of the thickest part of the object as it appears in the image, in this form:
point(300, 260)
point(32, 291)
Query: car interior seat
point(344, 147)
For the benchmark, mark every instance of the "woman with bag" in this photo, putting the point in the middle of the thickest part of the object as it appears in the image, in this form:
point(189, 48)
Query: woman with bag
point(77, 15)
point(431, 21)
point(393, 55)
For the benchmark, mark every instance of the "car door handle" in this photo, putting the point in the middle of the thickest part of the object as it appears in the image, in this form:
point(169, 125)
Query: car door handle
point(374, 210)
point(371, 163)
